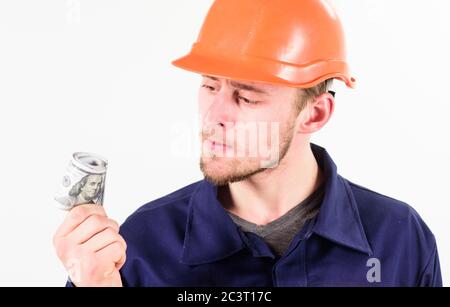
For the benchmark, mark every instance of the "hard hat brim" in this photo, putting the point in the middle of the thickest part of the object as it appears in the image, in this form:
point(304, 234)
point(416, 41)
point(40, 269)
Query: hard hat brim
point(253, 69)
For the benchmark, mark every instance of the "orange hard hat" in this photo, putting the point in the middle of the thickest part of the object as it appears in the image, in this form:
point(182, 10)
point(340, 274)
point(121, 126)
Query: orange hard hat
point(297, 43)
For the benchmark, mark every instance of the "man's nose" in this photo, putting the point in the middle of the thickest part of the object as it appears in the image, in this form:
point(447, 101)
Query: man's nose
point(222, 110)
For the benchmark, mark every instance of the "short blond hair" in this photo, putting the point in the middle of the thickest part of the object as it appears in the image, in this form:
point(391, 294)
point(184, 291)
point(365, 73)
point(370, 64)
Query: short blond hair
point(305, 95)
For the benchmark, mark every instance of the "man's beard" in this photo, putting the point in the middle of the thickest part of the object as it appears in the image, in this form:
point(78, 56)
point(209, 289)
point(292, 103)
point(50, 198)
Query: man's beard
point(221, 171)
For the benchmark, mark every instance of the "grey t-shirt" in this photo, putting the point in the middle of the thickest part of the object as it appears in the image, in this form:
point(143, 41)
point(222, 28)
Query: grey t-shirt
point(279, 233)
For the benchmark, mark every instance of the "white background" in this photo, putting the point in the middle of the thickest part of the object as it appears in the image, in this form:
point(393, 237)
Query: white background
point(96, 76)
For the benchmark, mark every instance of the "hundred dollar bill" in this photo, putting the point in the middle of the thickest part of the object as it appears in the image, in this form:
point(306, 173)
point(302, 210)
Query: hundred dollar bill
point(83, 182)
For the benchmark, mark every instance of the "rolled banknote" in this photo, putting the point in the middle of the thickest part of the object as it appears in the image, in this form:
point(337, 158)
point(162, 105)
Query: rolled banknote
point(83, 182)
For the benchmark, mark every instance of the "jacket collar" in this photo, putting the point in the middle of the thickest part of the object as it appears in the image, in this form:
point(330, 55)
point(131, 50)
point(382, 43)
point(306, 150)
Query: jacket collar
point(338, 219)
point(211, 235)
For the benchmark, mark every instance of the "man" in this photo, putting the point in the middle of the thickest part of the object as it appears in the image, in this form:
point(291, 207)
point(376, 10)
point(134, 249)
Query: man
point(87, 189)
point(270, 212)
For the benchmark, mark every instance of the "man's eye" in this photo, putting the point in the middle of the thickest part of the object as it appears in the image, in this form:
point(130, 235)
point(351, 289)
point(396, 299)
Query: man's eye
point(247, 101)
point(210, 88)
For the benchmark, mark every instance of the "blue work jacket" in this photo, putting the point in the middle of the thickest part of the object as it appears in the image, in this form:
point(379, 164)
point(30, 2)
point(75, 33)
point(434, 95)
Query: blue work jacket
point(359, 238)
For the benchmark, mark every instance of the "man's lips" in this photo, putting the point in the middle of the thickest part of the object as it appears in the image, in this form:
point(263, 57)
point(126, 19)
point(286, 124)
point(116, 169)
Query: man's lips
point(215, 144)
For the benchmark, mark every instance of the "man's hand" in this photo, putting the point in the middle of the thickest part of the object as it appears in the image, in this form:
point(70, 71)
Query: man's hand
point(89, 245)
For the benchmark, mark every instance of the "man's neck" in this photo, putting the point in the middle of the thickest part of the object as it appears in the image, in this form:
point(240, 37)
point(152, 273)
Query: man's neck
point(268, 195)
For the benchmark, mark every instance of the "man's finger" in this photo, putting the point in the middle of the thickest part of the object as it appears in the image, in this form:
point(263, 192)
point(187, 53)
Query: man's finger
point(90, 227)
point(114, 252)
point(103, 239)
point(76, 216)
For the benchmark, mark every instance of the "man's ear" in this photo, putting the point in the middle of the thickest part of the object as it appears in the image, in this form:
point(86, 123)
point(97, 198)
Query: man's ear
point(316, 114)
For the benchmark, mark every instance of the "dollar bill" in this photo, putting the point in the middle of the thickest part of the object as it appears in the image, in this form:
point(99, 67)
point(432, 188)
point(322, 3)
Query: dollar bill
point(83, 181)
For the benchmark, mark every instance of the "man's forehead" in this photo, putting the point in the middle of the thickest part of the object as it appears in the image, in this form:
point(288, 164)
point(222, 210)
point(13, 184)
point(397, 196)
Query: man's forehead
point(259, 87)
point(95, 178)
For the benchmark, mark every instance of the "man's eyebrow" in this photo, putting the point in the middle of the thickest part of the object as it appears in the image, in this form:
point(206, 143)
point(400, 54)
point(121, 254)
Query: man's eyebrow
point(248, 87)
point(242, 86)
point(210, 77)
